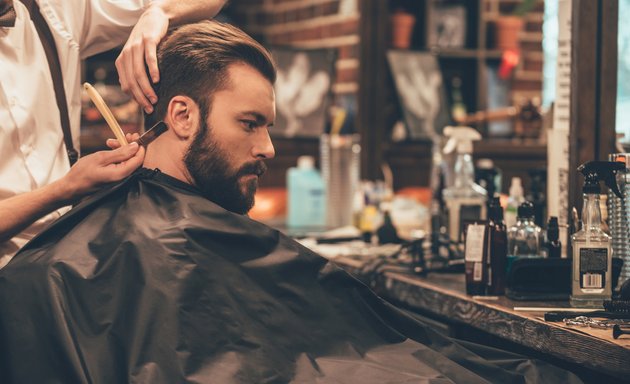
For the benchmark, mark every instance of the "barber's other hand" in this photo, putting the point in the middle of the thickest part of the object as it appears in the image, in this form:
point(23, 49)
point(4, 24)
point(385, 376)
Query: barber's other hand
point(93, 171)
point(141, 47)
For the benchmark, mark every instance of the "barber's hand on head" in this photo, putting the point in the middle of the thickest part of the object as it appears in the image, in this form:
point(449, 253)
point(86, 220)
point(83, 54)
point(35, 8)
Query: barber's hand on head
point(141, 48)
point(92, 172)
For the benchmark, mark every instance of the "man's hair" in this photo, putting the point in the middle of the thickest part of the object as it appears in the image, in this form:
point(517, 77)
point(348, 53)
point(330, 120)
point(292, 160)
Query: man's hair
point(193, 61)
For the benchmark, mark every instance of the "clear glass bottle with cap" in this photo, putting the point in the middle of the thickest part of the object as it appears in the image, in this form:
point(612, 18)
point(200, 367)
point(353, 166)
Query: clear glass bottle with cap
point(591, 278)
point(525, 238)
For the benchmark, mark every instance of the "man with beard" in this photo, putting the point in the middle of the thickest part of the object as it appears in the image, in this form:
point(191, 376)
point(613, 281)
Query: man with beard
point(163, 279)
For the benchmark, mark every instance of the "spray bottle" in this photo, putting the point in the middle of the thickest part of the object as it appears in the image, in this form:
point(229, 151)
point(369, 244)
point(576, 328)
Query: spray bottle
point(591, 280)
point(465, 200)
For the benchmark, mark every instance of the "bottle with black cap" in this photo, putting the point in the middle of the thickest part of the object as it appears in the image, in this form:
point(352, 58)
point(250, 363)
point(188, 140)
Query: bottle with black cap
point(553, 246)
point(524, 237)
point(591, 279)
point(496, 248)
point(536, 194)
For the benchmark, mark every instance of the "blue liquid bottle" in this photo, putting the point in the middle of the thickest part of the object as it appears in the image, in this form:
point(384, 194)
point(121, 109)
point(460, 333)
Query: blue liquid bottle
point(307, 196)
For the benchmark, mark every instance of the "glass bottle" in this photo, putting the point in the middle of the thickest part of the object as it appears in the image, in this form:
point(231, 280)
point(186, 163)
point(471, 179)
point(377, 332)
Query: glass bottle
point(553, 246)
point(591, 277)
point(515, 199)
point(524, 237)
point(592, 258)
point(458, 108)
point(497, 248)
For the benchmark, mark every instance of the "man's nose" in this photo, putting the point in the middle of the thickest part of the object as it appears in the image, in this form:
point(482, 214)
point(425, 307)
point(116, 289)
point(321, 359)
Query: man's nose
point(263, 148)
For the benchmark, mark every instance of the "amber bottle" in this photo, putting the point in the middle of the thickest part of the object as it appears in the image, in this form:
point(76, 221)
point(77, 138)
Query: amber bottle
point(496, 249)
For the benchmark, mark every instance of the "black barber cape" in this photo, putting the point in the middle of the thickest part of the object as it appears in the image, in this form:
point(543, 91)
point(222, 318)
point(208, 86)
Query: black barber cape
point(149, 282)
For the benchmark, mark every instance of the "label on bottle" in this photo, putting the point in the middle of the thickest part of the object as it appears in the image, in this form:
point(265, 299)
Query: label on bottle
point(477, 272)
point(474, 243)
point(593, 267)
point(468, 214)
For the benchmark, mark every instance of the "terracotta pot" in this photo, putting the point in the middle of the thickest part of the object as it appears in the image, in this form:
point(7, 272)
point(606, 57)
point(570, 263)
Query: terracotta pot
point(402, 29)
point(507, 32)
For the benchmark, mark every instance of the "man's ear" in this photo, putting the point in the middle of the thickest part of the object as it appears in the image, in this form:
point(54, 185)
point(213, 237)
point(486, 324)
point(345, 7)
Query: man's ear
point(182, 117)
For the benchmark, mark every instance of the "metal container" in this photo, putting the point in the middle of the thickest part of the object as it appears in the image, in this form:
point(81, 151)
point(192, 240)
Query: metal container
point(619, 215)
point(340, 171)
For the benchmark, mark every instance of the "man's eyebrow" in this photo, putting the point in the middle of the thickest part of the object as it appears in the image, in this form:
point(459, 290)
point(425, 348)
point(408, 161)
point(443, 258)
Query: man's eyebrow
point(259, 117)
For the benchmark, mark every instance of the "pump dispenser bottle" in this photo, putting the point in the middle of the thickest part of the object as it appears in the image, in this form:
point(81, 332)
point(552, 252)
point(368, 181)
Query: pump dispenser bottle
point(465, 200)
point(307, 196)
point(591, 280)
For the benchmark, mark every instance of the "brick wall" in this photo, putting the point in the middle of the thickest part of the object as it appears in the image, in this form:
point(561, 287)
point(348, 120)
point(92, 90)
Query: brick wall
point(307, 24)
point(335, 23)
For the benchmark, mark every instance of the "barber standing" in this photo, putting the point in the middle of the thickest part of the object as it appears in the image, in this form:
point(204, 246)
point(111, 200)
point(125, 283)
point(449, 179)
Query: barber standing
point(35, 152)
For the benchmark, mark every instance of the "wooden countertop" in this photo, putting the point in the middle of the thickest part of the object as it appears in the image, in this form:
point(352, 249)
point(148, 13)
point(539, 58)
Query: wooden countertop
point(444, 295)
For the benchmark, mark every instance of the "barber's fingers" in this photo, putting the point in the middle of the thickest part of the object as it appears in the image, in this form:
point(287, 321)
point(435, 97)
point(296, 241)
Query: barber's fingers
point(130, 66)
point(132, 137)
point(135, 77)
point(121, 67)
point(118, 170)
point(150, 55)
point(117, 164)
point(93, 171)
point(117, 155)
point(113, 143)
point(142, 84)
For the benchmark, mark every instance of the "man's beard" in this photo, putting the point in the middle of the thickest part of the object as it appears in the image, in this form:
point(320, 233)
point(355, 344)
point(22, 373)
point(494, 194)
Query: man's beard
point(209, 167)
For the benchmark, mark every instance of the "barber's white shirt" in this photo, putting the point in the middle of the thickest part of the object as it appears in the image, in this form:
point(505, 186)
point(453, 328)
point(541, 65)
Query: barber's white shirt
point(32, 152)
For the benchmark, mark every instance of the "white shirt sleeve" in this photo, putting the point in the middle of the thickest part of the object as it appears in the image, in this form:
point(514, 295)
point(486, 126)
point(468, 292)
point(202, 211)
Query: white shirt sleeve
point(93, 26)
point(106, 24)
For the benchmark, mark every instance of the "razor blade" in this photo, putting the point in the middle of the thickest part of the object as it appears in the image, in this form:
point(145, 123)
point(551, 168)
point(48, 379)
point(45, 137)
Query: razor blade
point(153, 133)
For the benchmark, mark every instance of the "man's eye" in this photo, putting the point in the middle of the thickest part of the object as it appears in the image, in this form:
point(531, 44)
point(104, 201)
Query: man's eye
point(248, 124)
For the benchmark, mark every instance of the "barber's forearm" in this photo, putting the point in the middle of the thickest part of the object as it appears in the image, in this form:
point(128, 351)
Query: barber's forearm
point(19, 212)
point(181, 12)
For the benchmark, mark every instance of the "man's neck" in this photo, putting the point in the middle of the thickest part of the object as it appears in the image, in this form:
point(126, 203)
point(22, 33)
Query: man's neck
point(161, 157)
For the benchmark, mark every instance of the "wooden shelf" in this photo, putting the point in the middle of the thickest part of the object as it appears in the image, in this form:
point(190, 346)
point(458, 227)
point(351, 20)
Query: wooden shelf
point(513, 148)
point(475, 64)
point(410, 161)
point(456, 53)
point(493, 54)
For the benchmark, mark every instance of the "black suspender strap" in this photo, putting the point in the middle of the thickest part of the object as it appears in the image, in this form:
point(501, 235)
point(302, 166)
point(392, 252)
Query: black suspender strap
point(55, 70)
